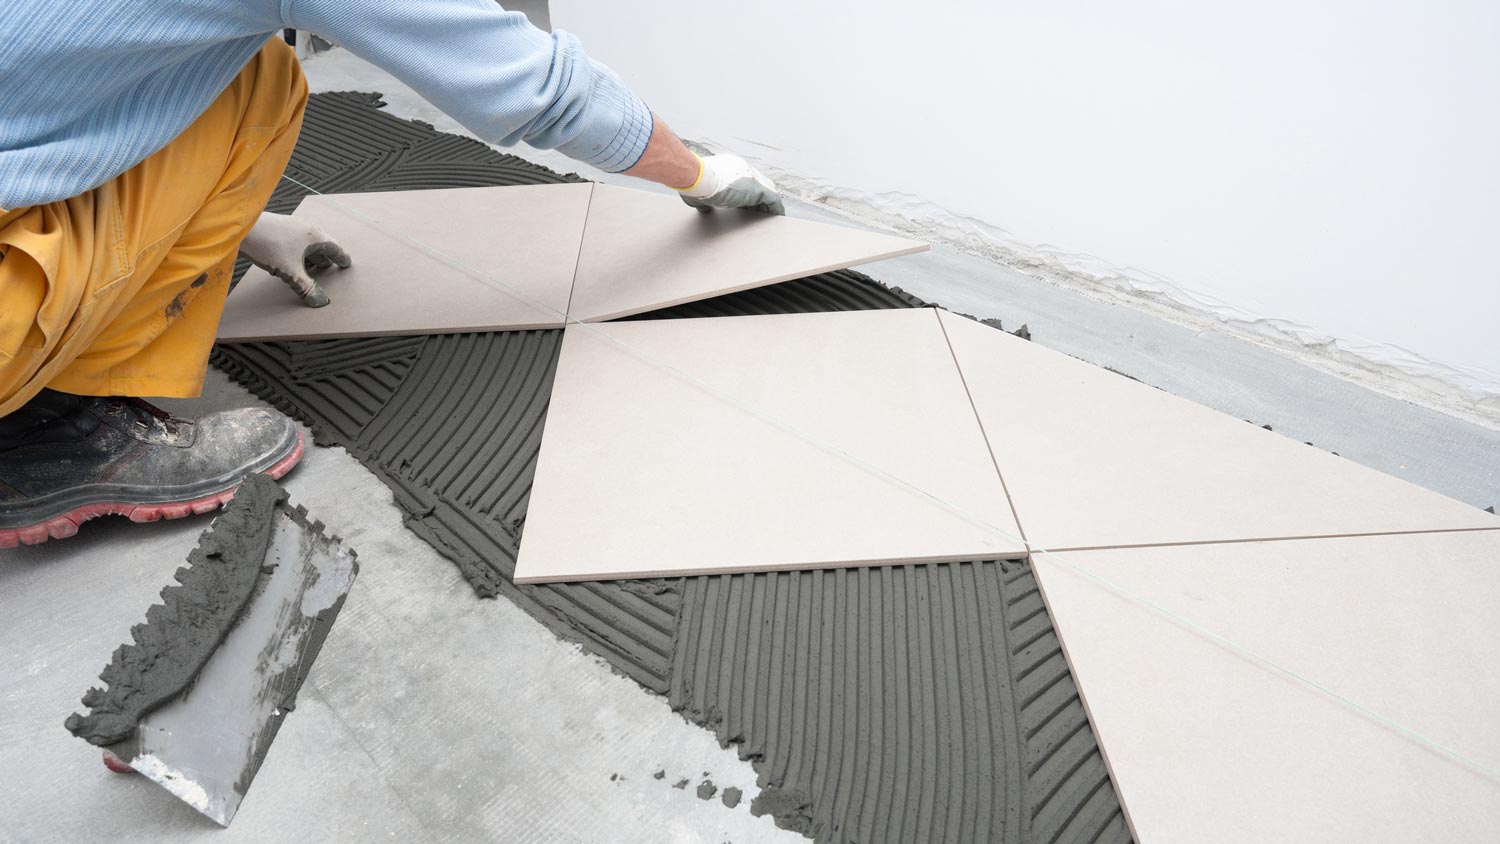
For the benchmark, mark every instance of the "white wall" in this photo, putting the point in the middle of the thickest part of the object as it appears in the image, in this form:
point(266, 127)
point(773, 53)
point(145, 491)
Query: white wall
point(1333, 163)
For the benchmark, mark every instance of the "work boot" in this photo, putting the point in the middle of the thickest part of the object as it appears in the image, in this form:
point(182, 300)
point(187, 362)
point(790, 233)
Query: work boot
point(65, 459)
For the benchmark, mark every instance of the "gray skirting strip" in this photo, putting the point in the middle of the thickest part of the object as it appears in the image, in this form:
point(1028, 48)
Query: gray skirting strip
point(914, 703)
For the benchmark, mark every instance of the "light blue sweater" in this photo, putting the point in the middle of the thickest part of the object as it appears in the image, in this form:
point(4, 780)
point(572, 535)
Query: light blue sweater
point(88, 88)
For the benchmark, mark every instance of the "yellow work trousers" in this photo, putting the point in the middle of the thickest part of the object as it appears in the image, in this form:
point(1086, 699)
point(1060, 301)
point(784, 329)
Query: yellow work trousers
point(118, 291)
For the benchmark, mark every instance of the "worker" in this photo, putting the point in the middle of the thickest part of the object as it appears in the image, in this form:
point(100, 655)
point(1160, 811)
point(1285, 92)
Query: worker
point(139, 144)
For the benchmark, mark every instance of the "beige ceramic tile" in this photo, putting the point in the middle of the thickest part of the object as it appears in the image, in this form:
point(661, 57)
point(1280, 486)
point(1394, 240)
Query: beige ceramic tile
point(644, 251)
point(1205, 743)
point(643, 471)
point(428, 261)
point(1093, 459)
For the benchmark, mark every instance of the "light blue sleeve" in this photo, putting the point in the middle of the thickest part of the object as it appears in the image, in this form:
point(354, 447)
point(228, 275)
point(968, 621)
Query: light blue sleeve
point(491, 70)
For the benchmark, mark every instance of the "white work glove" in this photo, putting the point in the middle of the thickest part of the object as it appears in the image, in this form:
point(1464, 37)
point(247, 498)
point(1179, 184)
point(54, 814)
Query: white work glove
point(289, 248)
point(728, 181)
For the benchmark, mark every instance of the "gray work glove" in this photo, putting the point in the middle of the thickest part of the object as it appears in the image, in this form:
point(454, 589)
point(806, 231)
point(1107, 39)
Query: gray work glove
point(290, 248)
point(728, 181)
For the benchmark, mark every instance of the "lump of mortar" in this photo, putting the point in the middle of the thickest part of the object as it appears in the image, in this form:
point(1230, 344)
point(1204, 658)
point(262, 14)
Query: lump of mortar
point(656, 586)
point(791, 808)
point(707, 790)
point(731, 797)
point(182, 632)
point(680, 784)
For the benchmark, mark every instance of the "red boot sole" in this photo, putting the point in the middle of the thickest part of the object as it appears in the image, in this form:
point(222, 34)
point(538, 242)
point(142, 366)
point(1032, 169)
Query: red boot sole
point(66, 525)
point(116, 764)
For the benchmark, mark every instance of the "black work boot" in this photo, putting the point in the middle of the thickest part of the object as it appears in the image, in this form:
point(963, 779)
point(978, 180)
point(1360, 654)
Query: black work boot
point(65, 459)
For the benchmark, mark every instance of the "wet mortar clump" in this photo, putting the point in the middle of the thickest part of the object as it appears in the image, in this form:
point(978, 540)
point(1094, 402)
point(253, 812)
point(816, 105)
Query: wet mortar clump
point(182, 632)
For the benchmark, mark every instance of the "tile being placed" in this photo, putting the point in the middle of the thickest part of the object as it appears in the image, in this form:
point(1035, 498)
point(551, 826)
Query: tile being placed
point(1208, 742)
point(1095, 459)
point(643, 251)
point(435, 261)
point(761, 442)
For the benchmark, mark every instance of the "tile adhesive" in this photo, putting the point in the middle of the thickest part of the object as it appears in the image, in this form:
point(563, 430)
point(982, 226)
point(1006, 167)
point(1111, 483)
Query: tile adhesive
point(909, 703)
point(182, 632)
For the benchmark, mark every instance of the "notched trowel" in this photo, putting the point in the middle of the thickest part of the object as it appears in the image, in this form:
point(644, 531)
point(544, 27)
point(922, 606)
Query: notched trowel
point(195, 702)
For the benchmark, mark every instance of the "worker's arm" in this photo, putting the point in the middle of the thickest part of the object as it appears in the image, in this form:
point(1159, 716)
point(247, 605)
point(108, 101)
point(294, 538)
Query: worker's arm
point(507, 82)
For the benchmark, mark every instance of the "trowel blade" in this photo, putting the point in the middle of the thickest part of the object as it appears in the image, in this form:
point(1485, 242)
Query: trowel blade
point(206, 745)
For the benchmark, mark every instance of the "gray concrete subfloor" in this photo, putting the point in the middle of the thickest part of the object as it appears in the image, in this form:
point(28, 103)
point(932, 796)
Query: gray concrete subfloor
point(433, 715)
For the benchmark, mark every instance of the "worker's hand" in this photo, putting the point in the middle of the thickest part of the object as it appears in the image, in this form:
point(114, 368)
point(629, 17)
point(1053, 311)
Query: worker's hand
point(289, 248)
point(728, 181)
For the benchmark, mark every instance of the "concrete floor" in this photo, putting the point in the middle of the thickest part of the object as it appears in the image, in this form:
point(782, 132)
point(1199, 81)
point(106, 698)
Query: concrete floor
point(434, 715)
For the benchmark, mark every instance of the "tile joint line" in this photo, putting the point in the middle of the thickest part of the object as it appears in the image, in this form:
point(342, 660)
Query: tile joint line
point(1201, 542)
point(578, 259)
point(963, 379)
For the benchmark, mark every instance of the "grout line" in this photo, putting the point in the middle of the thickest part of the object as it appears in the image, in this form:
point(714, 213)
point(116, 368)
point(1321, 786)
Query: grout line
point(1426, 532)
point(937, 314)
point(582, 237)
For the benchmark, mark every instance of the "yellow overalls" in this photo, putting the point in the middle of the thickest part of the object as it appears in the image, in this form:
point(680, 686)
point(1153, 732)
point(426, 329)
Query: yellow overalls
point(118, 291)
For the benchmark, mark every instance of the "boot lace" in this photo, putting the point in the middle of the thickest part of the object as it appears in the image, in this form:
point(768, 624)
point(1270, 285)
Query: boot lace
point(146, 414)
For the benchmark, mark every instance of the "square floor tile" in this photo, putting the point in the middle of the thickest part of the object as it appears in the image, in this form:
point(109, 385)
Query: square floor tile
point(1205, 743)
point(645, 471)
point(1095, 459)
point(434, 261)
point(644, 251)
